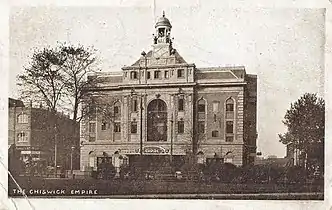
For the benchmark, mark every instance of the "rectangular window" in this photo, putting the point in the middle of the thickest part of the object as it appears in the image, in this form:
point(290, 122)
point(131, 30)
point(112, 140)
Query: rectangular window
point(180, 73)
point(229, 138)
point(180, 126)
point(229, 127)
point(201, 107)
point(166, 74)
point(157, 74)
point(215, 106)
point(134, 105)
point(116, 110)
point(215, 133)
point(92, 127)
point(133, 127)
point(117, 127)
point(148, 76)
point(201, 127)
point(230, 107)
point(181, 104)
point(92, 138)
point(214, 117)
point(104, 126)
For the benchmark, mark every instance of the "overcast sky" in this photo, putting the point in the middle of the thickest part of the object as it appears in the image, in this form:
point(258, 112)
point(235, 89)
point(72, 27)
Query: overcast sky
point(284, 47)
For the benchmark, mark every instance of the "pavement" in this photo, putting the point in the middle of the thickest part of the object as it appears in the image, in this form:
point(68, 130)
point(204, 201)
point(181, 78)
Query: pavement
point(252, 196)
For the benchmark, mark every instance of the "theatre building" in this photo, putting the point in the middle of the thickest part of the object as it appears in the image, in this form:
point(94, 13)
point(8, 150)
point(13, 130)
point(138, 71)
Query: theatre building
point(163, 108)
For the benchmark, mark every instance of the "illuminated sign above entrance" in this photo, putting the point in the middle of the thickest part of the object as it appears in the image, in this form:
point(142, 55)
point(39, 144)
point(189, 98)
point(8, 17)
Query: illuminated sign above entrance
point(155, 150)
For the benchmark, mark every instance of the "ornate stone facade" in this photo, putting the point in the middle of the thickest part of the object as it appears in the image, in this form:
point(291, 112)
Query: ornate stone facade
point(214, 108)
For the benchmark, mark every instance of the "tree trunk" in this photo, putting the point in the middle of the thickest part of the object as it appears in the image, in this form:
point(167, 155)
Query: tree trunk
point(75, 110)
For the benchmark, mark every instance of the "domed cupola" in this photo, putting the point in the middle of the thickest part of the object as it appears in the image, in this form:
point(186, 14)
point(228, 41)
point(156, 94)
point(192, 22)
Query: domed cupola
point(163, 31)
point(163, 22)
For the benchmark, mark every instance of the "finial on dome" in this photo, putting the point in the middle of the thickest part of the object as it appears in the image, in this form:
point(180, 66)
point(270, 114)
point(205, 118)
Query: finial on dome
point(163, 13)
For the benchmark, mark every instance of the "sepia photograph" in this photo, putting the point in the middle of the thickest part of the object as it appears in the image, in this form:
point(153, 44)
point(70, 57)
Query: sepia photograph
point(166, 103)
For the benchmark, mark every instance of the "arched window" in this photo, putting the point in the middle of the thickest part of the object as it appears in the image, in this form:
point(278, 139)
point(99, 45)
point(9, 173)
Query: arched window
point(201, 106)
point(92, 159)
point(117, 111)
point(230, 120)
point(22, 118)
point(157, 121)
point(230, 105)
point(133, 75)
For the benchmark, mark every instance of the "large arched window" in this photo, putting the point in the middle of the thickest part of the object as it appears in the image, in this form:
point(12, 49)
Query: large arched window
point(157, 120)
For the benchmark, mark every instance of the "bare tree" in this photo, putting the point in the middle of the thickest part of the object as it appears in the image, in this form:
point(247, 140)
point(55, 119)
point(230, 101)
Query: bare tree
point(58, 76)
point(79, 62)
point(42, 79)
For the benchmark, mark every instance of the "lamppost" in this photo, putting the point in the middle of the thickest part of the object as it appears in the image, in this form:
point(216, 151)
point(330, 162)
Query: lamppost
point(55, 146)
point(71, 160)
point(171, 157)
point(141, 105)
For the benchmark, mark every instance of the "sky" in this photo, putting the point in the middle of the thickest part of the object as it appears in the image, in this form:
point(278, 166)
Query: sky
point(284, 47)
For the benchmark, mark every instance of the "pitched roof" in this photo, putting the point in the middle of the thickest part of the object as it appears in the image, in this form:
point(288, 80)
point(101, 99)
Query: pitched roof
point(178, 58)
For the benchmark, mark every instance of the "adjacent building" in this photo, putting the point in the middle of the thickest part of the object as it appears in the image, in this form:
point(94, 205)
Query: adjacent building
point(161, 107)
point(36, 132)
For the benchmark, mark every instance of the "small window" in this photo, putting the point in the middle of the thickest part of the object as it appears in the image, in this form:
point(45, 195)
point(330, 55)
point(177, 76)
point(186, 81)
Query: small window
point(133, 75)
point(22, 118)
point(92, 138)
point(22, 136)
point(214, 117)
point(215, 133)
point(117, 127)
point(229, 127)
point(92, 127)
point(104, 126)
point(148, 76)
point(180, 126)
point(156, 74)
point(230, 105)
point(229, 138)
point(181, 104)
point(215, 106)
point(201, 105)
point(125, 74)
point(133, 127)
point(134, 105)
point(201, 127)
point(180, 73)
point(116, 110)
point(166, 74)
